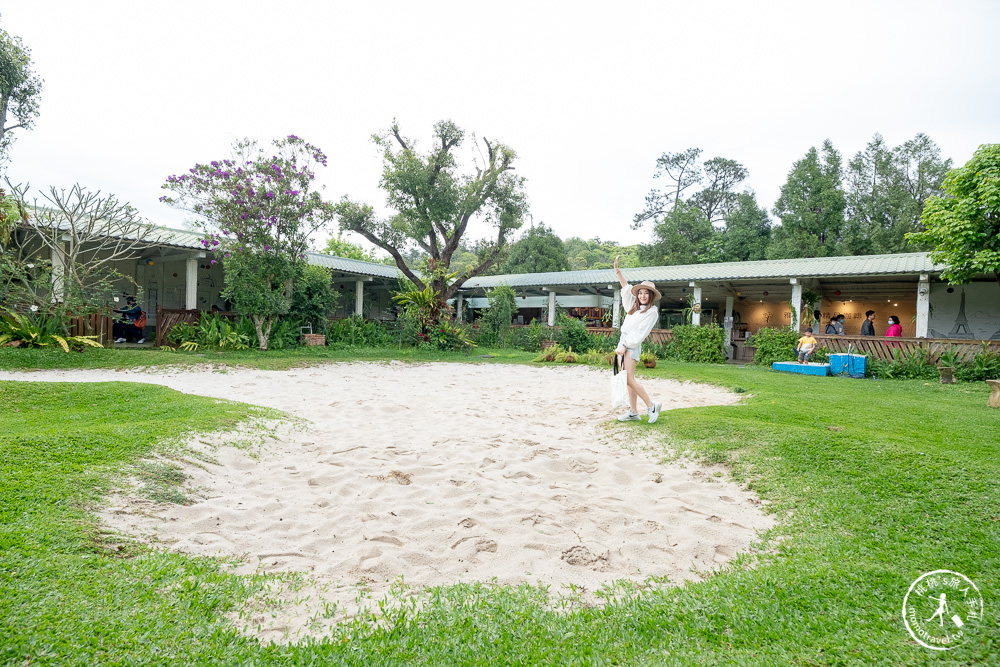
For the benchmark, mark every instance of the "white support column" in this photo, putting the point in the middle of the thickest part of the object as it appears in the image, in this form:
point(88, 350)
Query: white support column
point(727, 324)
point(359, 297)
point(58, 273)
point(191, 284)
point(923, 305)
point(696, 317)
point(552, 308)
point(458, 309)
point(796, 303)
point(616, 318)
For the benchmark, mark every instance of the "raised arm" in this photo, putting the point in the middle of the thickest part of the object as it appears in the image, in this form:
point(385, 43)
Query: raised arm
point(618, 272)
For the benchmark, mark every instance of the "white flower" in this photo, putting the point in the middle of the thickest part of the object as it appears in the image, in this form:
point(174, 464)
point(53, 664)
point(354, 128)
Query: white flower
point(30, 266)
point(34, 308)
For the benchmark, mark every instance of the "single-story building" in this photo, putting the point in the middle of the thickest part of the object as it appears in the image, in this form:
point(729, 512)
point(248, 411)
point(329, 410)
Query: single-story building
point(174, 271)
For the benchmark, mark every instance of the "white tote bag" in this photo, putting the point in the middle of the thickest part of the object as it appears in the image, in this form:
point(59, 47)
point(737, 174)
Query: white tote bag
point(619, 386)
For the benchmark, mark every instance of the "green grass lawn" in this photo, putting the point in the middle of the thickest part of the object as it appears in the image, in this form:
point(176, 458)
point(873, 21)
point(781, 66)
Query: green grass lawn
point(875, 483)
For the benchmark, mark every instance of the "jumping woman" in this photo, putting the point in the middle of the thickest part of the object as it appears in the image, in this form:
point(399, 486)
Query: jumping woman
point(641, 316)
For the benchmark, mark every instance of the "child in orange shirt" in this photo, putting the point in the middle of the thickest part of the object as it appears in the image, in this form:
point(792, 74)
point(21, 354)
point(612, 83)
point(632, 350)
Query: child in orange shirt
point(806, 346)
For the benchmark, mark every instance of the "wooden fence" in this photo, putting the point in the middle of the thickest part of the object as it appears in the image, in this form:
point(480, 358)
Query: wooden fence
point(877, 347)
point(95, 324)
point(168, 318)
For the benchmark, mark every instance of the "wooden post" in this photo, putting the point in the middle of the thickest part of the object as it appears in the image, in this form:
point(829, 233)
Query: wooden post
point(994, 400)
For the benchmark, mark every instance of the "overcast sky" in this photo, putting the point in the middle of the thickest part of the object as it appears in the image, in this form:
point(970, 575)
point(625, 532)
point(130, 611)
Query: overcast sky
point(588, 94)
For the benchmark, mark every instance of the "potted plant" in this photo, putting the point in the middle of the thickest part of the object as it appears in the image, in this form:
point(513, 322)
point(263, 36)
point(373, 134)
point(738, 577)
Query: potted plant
point(946, 365)
point(648, 359)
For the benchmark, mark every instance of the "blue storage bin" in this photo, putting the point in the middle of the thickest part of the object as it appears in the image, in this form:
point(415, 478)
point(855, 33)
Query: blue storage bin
point(848, 364)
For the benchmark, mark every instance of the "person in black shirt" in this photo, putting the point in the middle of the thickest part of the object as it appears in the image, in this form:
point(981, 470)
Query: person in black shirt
point(868, 326)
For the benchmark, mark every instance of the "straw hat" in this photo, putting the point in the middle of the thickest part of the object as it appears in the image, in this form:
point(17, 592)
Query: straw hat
point(646, 284)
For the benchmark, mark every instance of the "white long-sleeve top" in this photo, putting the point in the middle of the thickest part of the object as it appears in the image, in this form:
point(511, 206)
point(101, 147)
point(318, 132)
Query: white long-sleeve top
point(636, 327)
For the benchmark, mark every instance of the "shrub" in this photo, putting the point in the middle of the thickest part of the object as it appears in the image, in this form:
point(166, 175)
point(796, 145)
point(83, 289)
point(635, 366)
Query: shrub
point(699, 344)
point(494, 326)
point(529, 338)
point(314, 297)
point(984, 366)
point(773, 345)
point(573, 333)
point(355, 331)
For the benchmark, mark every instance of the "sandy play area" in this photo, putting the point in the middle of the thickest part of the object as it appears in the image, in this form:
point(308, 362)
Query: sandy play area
point(441, 473)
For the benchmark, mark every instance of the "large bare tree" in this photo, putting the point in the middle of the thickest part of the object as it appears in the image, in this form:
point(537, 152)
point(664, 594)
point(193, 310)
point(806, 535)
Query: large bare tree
point(88, 235)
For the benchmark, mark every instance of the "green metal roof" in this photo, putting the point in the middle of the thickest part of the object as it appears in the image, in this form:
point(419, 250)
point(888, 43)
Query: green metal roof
point(813, 267)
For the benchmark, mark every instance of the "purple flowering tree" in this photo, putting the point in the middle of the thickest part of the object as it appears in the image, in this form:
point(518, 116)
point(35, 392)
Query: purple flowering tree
point(258, 210)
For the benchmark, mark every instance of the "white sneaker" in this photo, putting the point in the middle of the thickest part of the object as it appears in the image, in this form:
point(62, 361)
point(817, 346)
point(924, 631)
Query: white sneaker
point(140, 341)
point(119, 340)
point(654, 412)
point(629, 417)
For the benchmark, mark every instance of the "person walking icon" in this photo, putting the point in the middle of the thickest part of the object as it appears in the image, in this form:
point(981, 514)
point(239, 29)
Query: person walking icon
point(941, 610)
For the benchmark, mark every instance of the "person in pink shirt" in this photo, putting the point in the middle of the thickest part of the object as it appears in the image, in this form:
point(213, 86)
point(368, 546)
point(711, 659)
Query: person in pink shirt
point(895, 329)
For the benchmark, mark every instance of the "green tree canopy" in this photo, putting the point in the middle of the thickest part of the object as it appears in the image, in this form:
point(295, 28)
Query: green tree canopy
point(747, 233)
point(20, 90)
point(683, 236)
point(434, 205)
point(540, 250)
point(811, 207)
point(341, 247)
point(259, 209)
point(963, 226)
point(597, 254)
point(886, 190)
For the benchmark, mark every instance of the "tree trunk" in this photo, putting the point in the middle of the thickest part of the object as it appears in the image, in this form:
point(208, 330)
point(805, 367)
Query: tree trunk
point(263, 332)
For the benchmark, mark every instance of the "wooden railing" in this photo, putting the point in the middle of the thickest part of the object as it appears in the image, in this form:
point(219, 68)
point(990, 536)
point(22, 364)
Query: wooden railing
point(95, 324)
point(878, 347)
point(168, 318)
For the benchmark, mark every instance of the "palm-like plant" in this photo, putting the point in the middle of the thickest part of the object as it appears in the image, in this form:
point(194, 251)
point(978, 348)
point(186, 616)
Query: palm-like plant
point(22, 330)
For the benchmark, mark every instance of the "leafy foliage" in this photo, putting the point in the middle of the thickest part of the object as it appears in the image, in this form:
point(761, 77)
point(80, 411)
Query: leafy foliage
point(702, 344)
point(964, 225)
point(212, 330)
point(811, 207)
point(314, 297)
point(773, 345)
point(38, 330)
point(495, 324)
point(258, 211)
point(540, 250)
point(435, 204)
point(20, 89)
point(341, 247)
point(357, 332)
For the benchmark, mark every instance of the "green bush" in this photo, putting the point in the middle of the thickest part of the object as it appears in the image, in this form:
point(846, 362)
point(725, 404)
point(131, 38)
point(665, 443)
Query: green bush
point(573, 333)
point(314, 297)
point(699, 344)
point(494, 325)
point(529, 338)
point(984, 366)
point(356, 331)
point(773, 345)
point(216, 331)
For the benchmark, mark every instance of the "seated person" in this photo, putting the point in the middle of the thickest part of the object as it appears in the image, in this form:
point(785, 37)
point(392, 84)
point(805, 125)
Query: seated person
point(806, 346)
point(126, 328)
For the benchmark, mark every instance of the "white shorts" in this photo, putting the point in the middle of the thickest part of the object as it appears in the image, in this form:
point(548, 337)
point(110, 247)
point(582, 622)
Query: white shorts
point(635, 352)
